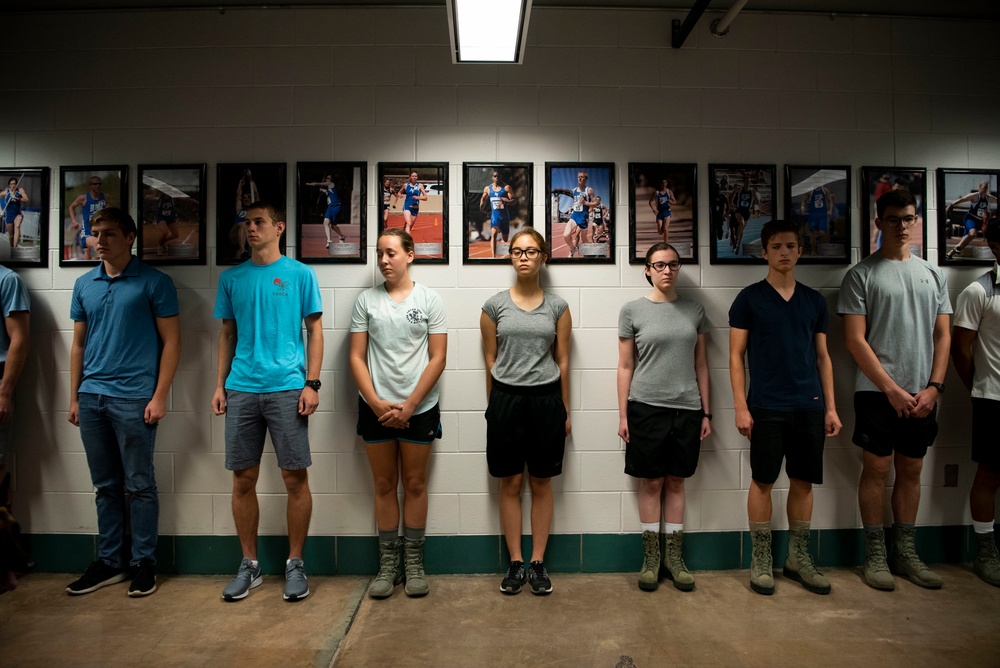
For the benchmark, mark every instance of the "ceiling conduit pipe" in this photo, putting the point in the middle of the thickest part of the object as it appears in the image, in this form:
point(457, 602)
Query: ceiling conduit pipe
point(720, 26)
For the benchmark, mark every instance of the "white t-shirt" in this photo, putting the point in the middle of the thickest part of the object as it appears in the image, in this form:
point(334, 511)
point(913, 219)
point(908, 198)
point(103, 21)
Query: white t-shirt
point(398, 339)
point(978, 310)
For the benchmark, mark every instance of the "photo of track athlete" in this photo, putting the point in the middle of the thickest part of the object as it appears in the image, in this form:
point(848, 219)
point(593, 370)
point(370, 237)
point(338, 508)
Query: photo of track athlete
point(331, 211)
point(89, 203)
point(496, 206)
point(500, 198)
point(818, 200)
point(85, 191)
point(749, 194)
point(172, 213)
point(237, 186)
point(663, 208)
point(878, 181)
point(23, 203)
point(574, 192)
point(971, 202)
point(419, 207)
point(11, 216)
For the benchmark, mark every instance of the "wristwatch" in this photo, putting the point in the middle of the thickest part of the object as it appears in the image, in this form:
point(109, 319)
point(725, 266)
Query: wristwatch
point(314, 384)
point(708, 415)
point(937, 386)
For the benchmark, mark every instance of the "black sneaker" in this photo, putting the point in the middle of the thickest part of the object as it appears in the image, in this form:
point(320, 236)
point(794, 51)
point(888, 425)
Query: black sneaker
point(538, 578)
point(97, 575)
point(144, 581)
point(515, 579)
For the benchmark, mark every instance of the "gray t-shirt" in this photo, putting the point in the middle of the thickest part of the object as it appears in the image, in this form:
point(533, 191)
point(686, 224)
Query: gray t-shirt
point(665, 334)
point(398, 339)
point(901, 301)
point(525, 339)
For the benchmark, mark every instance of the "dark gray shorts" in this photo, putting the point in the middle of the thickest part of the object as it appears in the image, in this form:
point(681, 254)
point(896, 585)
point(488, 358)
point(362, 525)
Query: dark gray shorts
point(249, 416)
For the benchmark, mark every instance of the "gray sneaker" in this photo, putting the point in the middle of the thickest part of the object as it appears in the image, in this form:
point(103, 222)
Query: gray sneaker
point(296, 585)
point(247, 577)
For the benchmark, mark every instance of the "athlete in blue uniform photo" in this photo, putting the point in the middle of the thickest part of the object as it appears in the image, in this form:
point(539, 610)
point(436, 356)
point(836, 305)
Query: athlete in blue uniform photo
point(414, 193)
point(89, 203)
point(579, 218)
point(977, 215)
point(817, 204)
point(660, 202)
point(166, 221)
point(333, 207)
point(745, 200)
point(500, 197)
point(246, 194)
point(600, 217)
point(10, 208)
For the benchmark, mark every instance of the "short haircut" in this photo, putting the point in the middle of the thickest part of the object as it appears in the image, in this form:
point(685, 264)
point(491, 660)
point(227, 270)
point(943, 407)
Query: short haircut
point(993, 231)
point(535, 235)
point(653, 250)
point(898, 199)
point(275, 214)
point(117, 217)
point(405, 240)
point(778, 226)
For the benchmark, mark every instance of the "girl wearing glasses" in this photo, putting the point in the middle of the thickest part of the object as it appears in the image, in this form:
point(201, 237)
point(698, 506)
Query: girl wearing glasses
point(663, 409)
point(399, 342)
point(526, 339)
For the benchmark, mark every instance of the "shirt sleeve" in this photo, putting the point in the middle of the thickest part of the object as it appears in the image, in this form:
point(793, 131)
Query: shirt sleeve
point(437, 319)
point(625, 327)
point(76, 310)
point(312, 300)
point(492, 308)
point(822, 317)
point(164, 297)
point(359, 316)
point(944, 302)
point(740, 314)
point(969, 309)
point(223, 302)
point(14, 295)
point(702, 319)
point(852, 294)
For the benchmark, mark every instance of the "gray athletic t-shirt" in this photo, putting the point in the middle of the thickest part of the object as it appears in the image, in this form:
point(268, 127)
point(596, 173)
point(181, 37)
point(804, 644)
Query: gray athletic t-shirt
point(665, 334)
point(525, 339)
point(901, 300)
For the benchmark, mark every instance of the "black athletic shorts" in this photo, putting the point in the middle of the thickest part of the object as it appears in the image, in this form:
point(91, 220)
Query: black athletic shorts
point(796, 436)
point(424, 427)
point(878, 430)
point(662, 441)
point(985, 435)
point(525, 426)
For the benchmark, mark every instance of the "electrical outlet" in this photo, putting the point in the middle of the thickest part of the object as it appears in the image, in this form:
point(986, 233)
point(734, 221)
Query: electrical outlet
point(951, 475)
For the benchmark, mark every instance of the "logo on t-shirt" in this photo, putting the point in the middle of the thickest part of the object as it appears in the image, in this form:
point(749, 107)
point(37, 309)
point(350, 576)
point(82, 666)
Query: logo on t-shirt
point(282, 287)
point(415, 316)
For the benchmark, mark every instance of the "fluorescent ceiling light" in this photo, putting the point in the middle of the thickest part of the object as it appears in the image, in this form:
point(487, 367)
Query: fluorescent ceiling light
point(488, 31)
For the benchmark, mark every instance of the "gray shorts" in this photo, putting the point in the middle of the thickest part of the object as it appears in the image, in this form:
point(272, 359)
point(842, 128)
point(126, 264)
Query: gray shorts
point(249, 416)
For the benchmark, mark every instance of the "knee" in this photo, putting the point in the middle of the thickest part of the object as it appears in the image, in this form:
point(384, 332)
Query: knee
point(511, 485)
point(385, 485)
point(908, 469)
point(651, 486)
point(799, 486)
point(675, 485)
point(244, 483)
point(761, 487)
point(414, 485)
point(877, 468)
point(540, 486)
point(295, 481)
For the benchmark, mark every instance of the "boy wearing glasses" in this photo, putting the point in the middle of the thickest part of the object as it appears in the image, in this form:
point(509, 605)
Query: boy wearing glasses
point(895, 308)
point(790, 408)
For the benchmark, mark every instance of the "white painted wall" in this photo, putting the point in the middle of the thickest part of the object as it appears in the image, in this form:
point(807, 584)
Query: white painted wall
point(377, 84)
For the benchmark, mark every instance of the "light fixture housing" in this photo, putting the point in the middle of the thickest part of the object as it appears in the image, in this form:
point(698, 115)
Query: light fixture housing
point(488, 31)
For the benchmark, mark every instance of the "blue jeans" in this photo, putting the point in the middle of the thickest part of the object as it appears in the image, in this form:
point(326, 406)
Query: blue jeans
point(119, 446)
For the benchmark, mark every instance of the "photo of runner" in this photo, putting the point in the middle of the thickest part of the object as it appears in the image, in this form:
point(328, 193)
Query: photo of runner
point(83, 192)
point(171, 214)
point(877, 181)
point(818, 199)
point(967, 201)
point(237, 186)
point(574, 194)
point(330, 226)
point(417, 195)
point(663, 207)
point(748, 191)
point(496, 204)
point(24, 216)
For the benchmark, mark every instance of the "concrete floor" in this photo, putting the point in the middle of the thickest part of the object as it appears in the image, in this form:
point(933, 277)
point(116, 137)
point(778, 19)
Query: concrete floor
point(589, 620)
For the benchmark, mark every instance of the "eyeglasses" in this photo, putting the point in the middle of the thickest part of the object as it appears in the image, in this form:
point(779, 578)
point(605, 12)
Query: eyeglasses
point(895, 221)
point(530, 253)
point(95, 183)
point(660, 266)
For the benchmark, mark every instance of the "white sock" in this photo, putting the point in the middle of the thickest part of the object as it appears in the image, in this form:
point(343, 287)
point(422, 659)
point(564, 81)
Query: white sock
point(672, 528)
point(254, 562)
point(650, 526)
point(983, 527)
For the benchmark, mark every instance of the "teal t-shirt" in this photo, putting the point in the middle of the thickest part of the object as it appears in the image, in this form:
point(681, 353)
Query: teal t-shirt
point(268, 303)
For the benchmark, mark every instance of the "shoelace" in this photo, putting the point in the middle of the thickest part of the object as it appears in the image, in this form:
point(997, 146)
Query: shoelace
point(876, 554)
point(760, 553)
point(649, 555)
point(387, 564)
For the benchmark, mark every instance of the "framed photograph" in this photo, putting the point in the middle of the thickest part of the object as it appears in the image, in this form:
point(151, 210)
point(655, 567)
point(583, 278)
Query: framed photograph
point(84, 191)
point(332, 212)
point(237, 185)
point(880, 180)
point(663, 206)
point(171, 214)
point(967, 200)
point(24, 217)
point(579, 224)
point(818, 198)
point(496, 205)
point(741, 202)
point(415, 198)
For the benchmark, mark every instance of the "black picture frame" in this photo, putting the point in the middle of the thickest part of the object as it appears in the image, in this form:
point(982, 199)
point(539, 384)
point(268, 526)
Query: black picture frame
point(75, 193)
point(598, 246)
point(878, 180)
point(24, 216)
point(742, 199)
point(326, 208)
point(430, 227)
point(513, 206)
point(646, 201)
point(955, 224)
point(171, 203)
point(264, 181)
point(811, 192)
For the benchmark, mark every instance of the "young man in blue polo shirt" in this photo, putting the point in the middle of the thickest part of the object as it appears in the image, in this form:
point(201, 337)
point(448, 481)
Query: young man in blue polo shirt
point(790, 407)
point(14, 331)
point(126, 343)
point(268, 381)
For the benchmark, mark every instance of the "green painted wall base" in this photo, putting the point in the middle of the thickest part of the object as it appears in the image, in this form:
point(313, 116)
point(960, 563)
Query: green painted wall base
point(566, 553)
